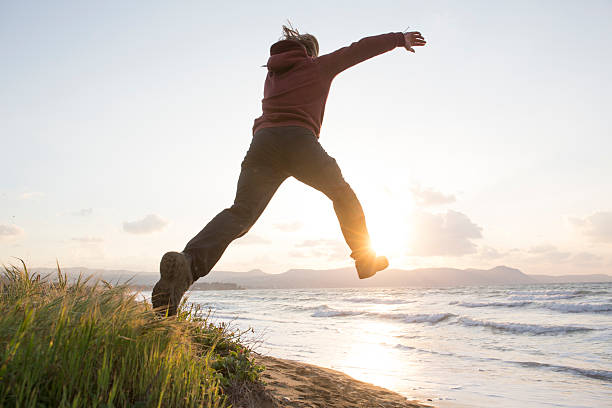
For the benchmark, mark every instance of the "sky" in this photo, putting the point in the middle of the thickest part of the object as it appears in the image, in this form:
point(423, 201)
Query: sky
point(123, 126)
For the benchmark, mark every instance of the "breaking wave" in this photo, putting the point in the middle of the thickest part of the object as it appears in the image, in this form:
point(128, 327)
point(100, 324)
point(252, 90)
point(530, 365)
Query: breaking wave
point(492, 304)
point(559, 307)
point(326, 311)
point(579, 307)
point(543, 297)
point(379, 301)
point(523, 328)
point(591, 373)
point(551, 293)
point(415, 318)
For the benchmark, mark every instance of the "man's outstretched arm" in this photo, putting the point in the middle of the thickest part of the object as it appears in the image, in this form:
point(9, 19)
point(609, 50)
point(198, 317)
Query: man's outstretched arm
point(366, 48)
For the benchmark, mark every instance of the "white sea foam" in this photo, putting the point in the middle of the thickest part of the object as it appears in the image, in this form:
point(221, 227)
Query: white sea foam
point(523, 328)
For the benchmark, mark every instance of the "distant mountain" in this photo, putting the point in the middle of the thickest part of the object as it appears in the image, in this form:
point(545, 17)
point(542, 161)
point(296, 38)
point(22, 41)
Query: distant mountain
point(347, 277)
point(109, 275)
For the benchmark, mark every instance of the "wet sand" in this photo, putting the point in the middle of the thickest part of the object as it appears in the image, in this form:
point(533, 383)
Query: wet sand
point(295, 384)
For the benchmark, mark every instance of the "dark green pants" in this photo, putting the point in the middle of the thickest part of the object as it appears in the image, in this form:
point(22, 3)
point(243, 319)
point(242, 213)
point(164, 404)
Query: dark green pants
point(274, 155)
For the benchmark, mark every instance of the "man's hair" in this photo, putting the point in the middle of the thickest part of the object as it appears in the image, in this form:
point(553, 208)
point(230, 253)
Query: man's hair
point(309, 41)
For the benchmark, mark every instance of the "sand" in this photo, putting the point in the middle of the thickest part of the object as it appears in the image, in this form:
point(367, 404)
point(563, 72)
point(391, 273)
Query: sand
point(295, 384)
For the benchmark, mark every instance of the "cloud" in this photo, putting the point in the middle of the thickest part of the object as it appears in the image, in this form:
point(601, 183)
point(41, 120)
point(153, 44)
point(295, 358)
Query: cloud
point(149, 224)
point(552, 255)
point(426, 197)
point(488, 252)
point(8, 231)
point(547, 253)
point(84, 212)
point(310, 243)
point(541, 249)
point(298, 254)
point(88, 240)
point(252, 239)
point(597, 227)
point(587, 260)
point(330, 249)
point(446, 234)
point(544, 254)
point(289, 226)
point(30, 194)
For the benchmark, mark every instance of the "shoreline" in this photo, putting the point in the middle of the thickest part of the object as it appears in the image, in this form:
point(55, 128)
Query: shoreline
point(294, 384)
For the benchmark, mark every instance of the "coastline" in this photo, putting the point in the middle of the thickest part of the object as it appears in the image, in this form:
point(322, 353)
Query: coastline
point(295, 384)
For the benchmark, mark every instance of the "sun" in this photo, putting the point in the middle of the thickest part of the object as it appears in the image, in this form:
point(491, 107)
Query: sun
point(389, 227)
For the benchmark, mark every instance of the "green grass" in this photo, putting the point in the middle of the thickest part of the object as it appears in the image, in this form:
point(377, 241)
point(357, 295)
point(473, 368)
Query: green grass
point(95, 345)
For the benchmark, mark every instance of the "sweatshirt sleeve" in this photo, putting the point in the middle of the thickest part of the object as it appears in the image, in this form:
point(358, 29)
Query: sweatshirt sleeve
point(366, 48)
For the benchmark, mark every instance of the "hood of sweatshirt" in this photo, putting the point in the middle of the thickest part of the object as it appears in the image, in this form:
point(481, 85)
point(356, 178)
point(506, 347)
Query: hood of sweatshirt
point(284, 55)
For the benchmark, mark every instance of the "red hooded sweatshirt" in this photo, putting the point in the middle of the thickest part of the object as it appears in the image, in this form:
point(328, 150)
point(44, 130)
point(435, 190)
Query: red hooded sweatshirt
point(297, 85)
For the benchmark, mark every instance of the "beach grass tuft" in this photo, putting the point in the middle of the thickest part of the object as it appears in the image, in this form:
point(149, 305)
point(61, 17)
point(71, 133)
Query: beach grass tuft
point(92, 344)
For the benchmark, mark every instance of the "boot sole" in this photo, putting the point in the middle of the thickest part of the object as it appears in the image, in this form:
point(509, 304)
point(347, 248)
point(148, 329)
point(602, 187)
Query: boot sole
point(376, 268)
point(164, 297)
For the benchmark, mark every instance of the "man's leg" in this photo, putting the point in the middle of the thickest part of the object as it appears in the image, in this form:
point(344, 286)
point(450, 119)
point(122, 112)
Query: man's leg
point(256, 186)
point(313, 166)
point(178, 270)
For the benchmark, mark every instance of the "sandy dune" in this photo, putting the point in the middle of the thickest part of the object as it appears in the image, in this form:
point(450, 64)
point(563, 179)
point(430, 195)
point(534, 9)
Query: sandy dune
point(295, 384)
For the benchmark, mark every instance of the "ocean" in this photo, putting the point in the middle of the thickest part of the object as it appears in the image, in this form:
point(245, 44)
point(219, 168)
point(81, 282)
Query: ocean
point(545, 345)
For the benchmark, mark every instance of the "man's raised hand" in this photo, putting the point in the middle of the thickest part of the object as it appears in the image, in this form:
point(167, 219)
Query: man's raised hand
point(413, 39)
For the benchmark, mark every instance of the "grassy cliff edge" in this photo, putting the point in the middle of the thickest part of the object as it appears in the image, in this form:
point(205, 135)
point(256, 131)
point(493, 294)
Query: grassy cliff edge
point(84, 345)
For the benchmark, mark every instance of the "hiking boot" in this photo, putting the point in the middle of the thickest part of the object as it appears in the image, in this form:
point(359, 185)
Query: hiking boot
point(176, 277)
point(368, 266)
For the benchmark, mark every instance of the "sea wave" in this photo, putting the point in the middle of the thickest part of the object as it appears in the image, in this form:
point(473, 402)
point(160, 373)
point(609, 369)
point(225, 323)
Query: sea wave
point(410, 348)
point(415, 318)
point(579, 307)
point(326, 311)
point(591, 373)
point(523, 328)
point(543, 297)
point(559, 292)
point(404, 347)
point(559, 307)
point(491, 304)
point(591, 292)
point(379, 301)
point(598, 374)
point(543, 292)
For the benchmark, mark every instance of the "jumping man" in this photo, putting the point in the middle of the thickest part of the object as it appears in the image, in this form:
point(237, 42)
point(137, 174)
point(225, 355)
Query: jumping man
point(285, 144)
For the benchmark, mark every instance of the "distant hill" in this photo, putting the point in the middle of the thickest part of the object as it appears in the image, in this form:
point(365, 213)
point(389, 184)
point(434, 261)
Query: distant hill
point(346, 277)
point(109, 275)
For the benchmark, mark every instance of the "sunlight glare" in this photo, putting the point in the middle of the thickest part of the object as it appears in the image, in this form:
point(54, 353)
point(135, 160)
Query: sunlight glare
point(389, 227)
point(371, 361)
